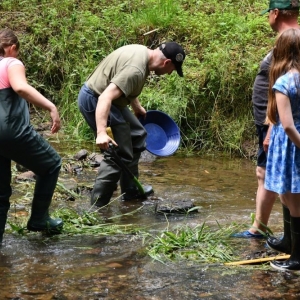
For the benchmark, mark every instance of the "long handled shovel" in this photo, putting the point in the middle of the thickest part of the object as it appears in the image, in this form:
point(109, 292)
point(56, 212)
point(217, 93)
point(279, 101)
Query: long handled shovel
point(257, 260)
point(121, 165)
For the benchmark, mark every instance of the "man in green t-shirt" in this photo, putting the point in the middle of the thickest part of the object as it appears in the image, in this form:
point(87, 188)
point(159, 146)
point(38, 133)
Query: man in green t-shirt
point(103, 101)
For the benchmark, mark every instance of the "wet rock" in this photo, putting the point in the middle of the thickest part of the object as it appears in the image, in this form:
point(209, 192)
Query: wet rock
point(20, 213)
point(146, 156)
point(18, 207)
point(92, 155)
point(156, 198)
point(85, 190)
point(26, 176)
point(43, 126)
point(114, 265)
point(261, 254)
point(77, 169)
point(20, 168)
point(60, 296)
point(98, 158)
point(176, 206)
point(69, 184)
point(81, 155)
point(95, 159)
point(69, 168)
point(69, 188)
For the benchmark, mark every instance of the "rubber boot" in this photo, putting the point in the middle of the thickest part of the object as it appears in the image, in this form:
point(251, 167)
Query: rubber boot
point(293, 263)
point(132, 193)
point(128, 188)
point(40, 219)
point(109, 173)
point(106, 181)
point(5, 192)
point(4, 207)
point(285, 243)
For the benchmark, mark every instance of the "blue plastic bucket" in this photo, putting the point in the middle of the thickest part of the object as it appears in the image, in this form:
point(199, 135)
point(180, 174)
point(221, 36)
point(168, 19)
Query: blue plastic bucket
point(163, 134)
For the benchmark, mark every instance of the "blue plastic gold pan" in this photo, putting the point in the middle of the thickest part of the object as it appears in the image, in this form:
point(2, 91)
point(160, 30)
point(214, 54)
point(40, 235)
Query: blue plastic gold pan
point(163, 134)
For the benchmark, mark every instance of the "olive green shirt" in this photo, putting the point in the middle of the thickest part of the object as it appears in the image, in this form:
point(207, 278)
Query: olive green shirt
point(127, 68)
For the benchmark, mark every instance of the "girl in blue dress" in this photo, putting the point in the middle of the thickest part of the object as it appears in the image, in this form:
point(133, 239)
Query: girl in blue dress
point(283, 164)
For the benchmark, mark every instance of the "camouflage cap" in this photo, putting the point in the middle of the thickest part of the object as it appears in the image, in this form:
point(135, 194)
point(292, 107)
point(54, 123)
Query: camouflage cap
point(282, 5)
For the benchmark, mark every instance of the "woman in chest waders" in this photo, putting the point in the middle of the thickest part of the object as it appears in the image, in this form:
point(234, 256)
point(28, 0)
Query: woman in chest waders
point(21, 143)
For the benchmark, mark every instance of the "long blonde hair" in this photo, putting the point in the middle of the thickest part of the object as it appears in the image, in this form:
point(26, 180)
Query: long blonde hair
point(286, 56)
point(7, 38)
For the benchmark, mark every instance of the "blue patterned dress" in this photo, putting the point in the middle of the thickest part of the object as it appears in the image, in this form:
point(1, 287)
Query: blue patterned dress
point(283, 164)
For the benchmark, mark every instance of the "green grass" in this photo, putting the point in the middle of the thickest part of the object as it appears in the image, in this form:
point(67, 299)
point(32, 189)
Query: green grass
point(201, 244)
point(62, 41)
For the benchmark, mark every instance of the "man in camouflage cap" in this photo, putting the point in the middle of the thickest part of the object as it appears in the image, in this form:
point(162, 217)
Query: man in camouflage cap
point(283, 15)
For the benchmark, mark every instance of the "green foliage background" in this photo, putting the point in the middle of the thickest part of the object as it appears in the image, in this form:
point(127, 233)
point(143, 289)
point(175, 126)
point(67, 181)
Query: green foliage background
point(63, 40)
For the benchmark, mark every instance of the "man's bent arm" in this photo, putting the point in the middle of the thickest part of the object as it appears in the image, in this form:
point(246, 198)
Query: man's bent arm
point(111, 93)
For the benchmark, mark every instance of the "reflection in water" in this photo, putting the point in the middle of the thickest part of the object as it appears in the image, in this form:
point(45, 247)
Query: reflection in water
point(115, 267)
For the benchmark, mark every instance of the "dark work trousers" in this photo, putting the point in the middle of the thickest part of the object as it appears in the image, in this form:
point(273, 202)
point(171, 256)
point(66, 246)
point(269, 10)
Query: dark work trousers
point(129, 134)
point(21, 143)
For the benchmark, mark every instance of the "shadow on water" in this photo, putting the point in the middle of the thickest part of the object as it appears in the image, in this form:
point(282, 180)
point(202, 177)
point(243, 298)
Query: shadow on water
point(34, 266)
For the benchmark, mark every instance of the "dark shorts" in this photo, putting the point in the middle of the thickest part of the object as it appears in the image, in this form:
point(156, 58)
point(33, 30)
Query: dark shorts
point(261, 154)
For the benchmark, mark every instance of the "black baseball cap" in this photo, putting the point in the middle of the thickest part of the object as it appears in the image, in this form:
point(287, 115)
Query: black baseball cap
point(174, 51)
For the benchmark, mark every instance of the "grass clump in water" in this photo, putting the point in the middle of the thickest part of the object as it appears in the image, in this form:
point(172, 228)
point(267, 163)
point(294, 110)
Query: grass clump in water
point(200, 244)
point(87, 223)
point(91, 223)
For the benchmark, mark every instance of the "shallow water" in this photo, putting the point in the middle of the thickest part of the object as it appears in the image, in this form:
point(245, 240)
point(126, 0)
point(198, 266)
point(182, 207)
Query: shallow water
point(115, 267)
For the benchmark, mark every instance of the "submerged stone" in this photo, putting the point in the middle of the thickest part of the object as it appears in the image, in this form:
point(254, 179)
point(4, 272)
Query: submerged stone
point(95, 159)
point(82, 154)
point(26, 176)
point(21, 168)
point(175, 206)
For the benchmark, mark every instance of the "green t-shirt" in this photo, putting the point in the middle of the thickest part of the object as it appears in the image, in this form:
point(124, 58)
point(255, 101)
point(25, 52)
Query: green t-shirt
point(127, 68)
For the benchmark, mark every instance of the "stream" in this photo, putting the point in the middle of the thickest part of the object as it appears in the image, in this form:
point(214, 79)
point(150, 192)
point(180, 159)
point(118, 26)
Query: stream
point(34, 266)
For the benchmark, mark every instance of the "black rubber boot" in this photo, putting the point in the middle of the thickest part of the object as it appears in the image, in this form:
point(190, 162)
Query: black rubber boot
point(5, 192)
point(133, 193)
point(123, 136)
point(128, 188)
point(102, 192)
point(285, 243)
point(4, 207)
point(106, 181)
point(40, 219)
point(293, 263)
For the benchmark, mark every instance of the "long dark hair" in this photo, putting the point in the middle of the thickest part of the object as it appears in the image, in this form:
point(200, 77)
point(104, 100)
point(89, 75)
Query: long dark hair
point(286, 56)
point(8, 38)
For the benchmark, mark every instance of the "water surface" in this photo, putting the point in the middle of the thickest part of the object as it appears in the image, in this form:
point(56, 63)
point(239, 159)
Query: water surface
point(34, 266)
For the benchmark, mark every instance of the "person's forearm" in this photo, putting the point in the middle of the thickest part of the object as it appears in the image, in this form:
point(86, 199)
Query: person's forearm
point(269, 131)
point(138, 109)
point(293, 135)
point(102, 112)
point(266, 141)
point(31, 95)
point(135, 104)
